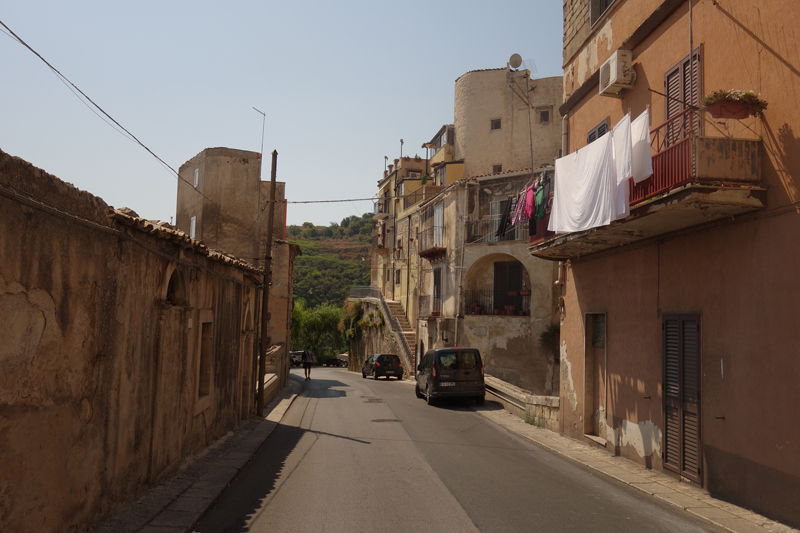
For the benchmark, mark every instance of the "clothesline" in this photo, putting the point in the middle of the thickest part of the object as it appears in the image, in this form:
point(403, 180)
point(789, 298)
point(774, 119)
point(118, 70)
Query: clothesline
point(591, 186)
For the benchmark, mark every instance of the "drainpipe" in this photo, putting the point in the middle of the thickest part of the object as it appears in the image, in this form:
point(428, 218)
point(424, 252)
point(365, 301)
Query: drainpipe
point(461, 266)
point(419, 290)
point(408, 257)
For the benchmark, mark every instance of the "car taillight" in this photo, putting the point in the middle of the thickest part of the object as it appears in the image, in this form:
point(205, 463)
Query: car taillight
point(482, 376)
point(433, 372)
point(378, 365)
point(399, 365)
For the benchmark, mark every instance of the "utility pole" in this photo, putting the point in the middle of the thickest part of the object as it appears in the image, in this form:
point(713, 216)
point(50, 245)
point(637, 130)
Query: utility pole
point(266, 340)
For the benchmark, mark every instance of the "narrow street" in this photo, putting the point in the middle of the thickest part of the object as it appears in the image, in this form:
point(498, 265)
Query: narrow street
point(363, 455)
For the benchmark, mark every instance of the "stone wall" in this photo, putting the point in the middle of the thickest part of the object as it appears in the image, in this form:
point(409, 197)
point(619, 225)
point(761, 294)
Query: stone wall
point(124, 346)
point(379, 339)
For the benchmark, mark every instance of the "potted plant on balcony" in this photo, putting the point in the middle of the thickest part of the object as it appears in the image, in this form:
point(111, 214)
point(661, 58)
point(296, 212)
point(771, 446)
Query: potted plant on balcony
point(734, 104)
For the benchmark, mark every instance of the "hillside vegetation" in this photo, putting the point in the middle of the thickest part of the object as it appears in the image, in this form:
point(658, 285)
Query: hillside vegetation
point(334, 258)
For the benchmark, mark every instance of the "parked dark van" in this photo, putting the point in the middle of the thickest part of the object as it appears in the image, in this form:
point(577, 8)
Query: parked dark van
point(451, 372)
point(382, 364)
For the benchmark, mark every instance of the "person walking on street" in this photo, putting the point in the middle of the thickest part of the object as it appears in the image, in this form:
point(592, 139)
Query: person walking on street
point(308, 360)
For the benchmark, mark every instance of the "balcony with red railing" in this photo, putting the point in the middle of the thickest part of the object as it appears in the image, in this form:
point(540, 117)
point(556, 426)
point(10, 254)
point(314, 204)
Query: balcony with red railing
point(702, 174)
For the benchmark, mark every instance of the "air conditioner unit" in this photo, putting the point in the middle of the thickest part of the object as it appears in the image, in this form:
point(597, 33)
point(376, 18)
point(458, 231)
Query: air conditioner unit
point(413, 175)
point(617, 73)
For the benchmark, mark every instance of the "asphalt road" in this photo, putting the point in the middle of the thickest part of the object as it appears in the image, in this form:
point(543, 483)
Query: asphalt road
point(362, 455)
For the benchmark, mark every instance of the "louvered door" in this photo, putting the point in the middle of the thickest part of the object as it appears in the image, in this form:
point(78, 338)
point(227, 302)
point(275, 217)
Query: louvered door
point(681, 353)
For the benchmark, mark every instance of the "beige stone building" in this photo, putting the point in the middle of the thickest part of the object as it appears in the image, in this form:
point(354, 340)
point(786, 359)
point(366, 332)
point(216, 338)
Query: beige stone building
point(223, 202)
point(438, 254)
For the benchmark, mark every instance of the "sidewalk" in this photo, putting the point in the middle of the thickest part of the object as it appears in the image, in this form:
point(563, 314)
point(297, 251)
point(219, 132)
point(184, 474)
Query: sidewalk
point(687, 496)
point(178, 502)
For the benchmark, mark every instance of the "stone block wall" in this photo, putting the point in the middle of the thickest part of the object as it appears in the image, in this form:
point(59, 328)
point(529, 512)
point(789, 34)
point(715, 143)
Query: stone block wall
point(124, 348)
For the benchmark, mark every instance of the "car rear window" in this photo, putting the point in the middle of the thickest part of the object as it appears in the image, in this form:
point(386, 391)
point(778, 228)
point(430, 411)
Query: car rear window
point(448, 361)
point(468, 360)
point(389, 359)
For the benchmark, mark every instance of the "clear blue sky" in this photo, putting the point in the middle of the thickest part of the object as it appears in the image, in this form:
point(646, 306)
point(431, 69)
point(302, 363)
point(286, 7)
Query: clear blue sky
point(340, 82)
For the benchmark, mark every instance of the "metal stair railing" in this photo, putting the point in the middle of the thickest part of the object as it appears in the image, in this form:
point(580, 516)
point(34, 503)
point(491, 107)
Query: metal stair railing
point(375, 292)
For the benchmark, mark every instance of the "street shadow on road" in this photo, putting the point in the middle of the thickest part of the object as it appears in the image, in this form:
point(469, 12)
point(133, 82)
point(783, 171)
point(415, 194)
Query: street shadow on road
point(244, 499)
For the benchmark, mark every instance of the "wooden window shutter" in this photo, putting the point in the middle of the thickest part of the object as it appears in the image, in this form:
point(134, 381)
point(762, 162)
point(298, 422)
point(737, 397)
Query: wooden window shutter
point(672, 389)
point(681, 389)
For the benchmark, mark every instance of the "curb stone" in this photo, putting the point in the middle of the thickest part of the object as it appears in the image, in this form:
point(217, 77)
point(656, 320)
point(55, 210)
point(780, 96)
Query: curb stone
point(690, 498)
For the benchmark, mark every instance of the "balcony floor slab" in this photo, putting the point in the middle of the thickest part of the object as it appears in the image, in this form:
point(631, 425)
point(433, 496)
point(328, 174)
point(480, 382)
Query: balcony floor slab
point(693, 205)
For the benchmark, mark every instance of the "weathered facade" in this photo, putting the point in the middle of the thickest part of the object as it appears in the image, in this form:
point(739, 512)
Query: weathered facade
point(438, 255)
point(676, 344)
point(505, 119)
point(223, 202)
point(125, 348)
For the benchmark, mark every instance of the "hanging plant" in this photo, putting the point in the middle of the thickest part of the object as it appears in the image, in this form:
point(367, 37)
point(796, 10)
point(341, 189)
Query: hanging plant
point(424, 179)
point(734, 104)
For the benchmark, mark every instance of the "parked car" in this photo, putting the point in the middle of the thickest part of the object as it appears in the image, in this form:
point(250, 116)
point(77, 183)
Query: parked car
point(450, 373)
point(296, 358)
point(382, 364)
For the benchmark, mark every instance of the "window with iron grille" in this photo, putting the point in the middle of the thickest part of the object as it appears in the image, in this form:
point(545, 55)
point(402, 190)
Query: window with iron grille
point(495, 124)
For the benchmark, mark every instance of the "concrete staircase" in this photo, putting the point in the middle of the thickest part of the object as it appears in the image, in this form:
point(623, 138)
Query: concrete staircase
point(396, 308)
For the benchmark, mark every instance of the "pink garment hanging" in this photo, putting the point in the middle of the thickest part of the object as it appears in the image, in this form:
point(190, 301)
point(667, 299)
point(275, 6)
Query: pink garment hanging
point(530, 200)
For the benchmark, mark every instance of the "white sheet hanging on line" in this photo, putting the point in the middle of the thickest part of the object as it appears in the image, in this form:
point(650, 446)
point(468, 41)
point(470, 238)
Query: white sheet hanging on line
point(642, 157)
point(585, 188)
point(623, 163)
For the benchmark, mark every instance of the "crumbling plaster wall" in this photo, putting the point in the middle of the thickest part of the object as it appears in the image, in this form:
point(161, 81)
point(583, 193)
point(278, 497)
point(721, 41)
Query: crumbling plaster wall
point(98, 374)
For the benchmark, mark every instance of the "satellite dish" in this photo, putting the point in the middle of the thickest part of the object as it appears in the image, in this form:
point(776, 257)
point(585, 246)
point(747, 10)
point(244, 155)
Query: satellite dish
point(515, 61)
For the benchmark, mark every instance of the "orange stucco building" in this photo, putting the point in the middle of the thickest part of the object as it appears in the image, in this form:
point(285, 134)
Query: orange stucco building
point(678, 347)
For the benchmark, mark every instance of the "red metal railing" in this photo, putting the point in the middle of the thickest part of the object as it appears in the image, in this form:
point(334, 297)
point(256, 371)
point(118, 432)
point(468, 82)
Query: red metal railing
point(672, 162)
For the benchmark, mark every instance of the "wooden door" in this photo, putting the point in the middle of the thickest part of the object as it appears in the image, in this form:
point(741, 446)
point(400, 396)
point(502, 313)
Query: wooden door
point(681, 349)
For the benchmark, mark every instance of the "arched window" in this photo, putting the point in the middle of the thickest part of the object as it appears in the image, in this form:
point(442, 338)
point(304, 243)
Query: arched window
point(176, 289)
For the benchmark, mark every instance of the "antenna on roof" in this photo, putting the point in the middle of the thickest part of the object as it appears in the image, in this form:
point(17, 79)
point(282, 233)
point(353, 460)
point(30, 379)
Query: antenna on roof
point(530, 64)
point(515, 60)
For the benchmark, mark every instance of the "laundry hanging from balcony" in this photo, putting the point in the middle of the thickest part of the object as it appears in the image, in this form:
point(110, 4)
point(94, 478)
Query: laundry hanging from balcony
point(641, 155)
point(538, 196)
point(592, 185)
point(623, 161)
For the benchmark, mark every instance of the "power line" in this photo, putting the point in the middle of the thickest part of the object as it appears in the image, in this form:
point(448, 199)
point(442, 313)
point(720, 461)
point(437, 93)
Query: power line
point(331, 201)
point(119, 128)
